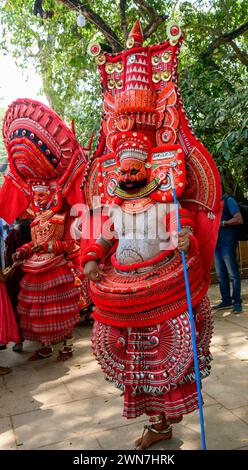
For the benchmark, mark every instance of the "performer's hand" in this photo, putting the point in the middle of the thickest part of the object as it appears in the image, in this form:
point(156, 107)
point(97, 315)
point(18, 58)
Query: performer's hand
point(183, 240)
point(15, 265)
point(92, 271)
point(37, 249)
point(9, 270)
point(18, 256)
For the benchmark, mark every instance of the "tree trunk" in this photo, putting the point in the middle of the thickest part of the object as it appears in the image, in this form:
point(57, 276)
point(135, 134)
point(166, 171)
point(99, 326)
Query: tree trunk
point(53, 98)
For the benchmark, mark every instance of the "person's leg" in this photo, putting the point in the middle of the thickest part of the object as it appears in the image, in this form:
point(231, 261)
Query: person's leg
point(67, 350)
point(222, 276)
point(18, 347)
point(159, 429)
point(230, 259)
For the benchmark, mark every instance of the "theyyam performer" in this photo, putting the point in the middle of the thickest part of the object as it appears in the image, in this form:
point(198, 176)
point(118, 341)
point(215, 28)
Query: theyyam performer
point(45, 169)
point(141, 335)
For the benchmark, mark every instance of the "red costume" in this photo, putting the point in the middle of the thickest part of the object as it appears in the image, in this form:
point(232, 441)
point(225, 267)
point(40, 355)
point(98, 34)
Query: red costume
point(8, 326)
point(45, 163)
point(141, 336)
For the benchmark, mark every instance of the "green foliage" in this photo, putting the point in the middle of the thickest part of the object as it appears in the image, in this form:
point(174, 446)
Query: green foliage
point(213, 83)
point(215, 89)
point(58, 50)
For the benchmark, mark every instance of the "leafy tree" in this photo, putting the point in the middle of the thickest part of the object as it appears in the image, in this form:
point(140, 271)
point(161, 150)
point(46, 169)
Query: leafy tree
point(214, 84)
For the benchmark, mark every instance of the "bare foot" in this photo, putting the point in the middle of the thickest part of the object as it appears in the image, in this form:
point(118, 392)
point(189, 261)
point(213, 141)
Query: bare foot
point(5, 370)
point(178, 419)
point(149, 437)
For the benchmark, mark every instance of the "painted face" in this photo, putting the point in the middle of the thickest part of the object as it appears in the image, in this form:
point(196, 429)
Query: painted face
point(42, 199)
point(133, 174)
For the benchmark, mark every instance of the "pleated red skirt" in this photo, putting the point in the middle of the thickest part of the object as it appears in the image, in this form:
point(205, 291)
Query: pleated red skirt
point(153, 366)
point(48, 305)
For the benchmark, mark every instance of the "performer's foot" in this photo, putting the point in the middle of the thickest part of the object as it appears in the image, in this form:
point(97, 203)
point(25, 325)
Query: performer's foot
point(178, 419)
point(18, 347)
point(154, 434)
point(64, 354)
point(42, 353)
point(5, 370)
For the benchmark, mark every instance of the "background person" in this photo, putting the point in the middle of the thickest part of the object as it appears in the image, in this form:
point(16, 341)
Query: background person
point(225, 257)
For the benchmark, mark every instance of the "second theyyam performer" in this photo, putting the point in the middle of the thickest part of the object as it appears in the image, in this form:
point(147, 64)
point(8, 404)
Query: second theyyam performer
point(46, 164)
point(141, 336)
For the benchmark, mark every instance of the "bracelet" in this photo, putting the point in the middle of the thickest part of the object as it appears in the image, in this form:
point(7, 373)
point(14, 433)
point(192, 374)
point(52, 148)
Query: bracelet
point(89, 257)
point(223, 223)
point(49, 247)
point(97, 249)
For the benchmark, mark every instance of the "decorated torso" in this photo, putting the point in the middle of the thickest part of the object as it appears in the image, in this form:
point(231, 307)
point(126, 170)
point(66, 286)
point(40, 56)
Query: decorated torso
point(140, 230)
point(49, 241)
point(47, 226)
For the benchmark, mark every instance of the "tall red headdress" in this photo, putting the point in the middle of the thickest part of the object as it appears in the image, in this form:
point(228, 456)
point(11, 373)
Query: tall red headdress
point(40, 147)
point(142, 95)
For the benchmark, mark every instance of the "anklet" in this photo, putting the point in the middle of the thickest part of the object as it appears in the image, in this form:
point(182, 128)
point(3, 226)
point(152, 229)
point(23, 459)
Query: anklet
point(157, 419)
point(156, 431)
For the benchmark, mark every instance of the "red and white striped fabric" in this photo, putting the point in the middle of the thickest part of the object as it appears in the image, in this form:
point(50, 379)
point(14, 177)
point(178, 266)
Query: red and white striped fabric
point(48, 305)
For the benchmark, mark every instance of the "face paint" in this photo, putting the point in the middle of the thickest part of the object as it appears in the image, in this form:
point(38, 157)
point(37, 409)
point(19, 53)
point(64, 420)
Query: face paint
point(133, 174)
point(42, 199)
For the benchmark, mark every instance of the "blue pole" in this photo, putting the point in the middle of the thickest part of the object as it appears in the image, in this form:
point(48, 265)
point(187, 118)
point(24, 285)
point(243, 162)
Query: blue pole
point(191, 317)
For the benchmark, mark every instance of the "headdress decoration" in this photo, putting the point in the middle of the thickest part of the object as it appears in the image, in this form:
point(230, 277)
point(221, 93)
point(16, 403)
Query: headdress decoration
point(41, 147)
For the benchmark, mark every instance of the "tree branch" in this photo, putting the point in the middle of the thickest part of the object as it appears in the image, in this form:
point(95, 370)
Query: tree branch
point(223, 39)
point(155, 19)
point(242, 55)
point(153, 25)
point(94, 18)
point(122, 9)
point(147, 7)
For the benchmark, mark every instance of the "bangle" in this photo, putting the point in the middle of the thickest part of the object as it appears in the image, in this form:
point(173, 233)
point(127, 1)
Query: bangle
point(98, 249)
point(223, 223)
point(49, 247)
point(89, 257)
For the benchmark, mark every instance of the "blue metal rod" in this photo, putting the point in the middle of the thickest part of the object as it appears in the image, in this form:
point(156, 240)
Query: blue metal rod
point(192, 324)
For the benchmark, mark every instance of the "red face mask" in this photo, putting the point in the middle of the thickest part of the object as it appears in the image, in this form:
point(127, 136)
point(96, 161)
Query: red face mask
point(133, 174)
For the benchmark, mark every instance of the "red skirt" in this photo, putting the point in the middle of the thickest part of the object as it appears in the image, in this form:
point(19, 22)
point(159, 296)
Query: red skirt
point(8, 326)
point(153, 365)
point(48, 305)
